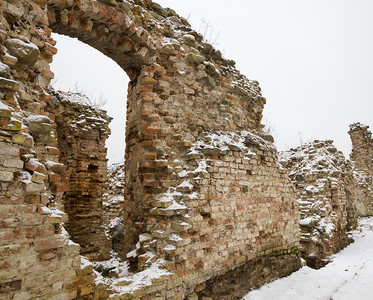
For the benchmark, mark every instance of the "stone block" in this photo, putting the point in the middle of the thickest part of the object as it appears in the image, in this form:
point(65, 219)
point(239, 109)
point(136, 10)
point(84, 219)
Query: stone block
point(47, 244)
point(39, 124)
point(13, 163)
point(26, 53)
point(8, 84)
point(5, 111)
point(6, 176)
point(38, 177)
point(33, 187)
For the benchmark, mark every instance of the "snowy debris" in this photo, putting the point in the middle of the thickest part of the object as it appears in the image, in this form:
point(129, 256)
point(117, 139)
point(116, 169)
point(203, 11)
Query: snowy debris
point(315, 168)
point(77, 98)
point(348, 276)
point(53, 212)
point(84, 262)
point(169, 248)
point(175, 237)
point(114, 267)
point(170, 196)
point(115, 222)
point(224, 141)
point(128, 283)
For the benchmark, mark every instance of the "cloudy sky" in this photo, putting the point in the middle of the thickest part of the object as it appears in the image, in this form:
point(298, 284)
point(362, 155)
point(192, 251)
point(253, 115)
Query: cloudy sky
point(313, 60)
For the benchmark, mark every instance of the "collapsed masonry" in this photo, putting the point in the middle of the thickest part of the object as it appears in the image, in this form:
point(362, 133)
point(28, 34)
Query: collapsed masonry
point(206, 204)
point(82, 131)
point(331, 193)
point(113, 200)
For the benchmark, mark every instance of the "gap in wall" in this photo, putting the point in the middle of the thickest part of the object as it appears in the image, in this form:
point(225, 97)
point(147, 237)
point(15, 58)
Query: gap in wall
point(80, 67)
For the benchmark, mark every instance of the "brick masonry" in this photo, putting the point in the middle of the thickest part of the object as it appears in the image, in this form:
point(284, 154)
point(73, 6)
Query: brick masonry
point(82, 131)
point(203, 195)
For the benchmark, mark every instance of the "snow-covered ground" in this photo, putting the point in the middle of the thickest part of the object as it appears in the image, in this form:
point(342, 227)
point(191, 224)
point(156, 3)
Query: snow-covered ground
point(348, 276)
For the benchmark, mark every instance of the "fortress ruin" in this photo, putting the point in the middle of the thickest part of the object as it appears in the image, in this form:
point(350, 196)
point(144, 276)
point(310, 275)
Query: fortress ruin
point(208, 212)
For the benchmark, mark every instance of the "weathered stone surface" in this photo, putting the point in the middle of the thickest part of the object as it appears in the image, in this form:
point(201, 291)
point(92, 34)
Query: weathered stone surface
point(6, 176)
point(5, 111)
point(39, 124)
point(8, 84)
point(27, 53)
point(4, 70)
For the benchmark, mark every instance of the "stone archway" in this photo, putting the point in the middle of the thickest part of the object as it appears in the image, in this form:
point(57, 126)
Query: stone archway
point(204, 191)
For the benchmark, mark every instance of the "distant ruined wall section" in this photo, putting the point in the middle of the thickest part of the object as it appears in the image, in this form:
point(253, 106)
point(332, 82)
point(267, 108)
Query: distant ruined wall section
point(362, 159)
point(331, 192)
point(82, 131)
point(325, 191)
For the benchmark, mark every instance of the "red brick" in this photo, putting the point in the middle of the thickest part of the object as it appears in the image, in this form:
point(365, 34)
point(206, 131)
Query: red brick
point(150, 183)
point(26, 209)
point(6, 211)
point(37, 8)
point(109, 12)
point(60, 276)
point(48, 244)
point(121, 18)
point(149, 81)
point(5, 235)
point(54, 178)
point(46, 230)
point(48, 255)
point(60, 187)
point(48, 73)
point(30, 220)
point(32, 198)
point(25, 233)
point(149, 156)
point(53, 150)
point(152, 130)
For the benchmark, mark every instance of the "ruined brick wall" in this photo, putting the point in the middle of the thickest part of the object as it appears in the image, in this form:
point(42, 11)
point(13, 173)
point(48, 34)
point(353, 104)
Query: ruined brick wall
point(113, 200)
point(82, 131)
point(38, 261)
point(325, 189)
point(362, 147)
point(203, 193)
point(362, 160)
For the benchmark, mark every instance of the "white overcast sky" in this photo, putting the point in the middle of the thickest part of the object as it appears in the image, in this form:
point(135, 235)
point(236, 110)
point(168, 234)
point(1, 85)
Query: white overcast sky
point(313, 60)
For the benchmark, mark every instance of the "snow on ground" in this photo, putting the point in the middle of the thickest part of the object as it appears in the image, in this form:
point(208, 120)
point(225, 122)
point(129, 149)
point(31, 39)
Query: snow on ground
point(348, 276)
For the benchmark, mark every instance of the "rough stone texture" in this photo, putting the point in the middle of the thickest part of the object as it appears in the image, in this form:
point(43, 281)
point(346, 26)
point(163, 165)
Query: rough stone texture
point(113, 200)
point(328, 193)
point(203, 190)
point(362, 160)
point(82, 131)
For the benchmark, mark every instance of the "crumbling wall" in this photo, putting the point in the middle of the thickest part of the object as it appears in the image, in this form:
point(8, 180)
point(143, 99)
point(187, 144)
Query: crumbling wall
point(82, 131)
point(37, 259)
point(362, 160)
point(325, 191)
point(203, 193)
point(113, 200)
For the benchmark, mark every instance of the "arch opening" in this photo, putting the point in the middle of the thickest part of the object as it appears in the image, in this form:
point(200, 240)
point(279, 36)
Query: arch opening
point(87, 146)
